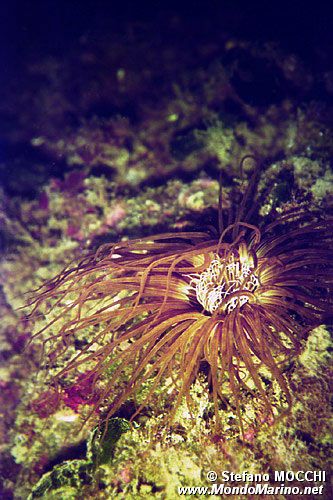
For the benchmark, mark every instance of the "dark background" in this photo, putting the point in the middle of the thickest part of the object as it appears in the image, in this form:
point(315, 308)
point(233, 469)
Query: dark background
point(51, 26)
point(30, 31)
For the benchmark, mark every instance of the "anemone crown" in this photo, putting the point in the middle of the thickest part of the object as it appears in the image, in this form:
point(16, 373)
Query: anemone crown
point(226, 276)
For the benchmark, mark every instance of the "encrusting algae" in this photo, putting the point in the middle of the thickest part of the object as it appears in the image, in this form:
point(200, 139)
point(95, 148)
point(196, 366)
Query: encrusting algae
point(160, 307)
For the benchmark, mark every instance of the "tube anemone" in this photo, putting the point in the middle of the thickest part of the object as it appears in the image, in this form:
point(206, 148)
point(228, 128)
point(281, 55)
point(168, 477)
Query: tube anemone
point(162, 305)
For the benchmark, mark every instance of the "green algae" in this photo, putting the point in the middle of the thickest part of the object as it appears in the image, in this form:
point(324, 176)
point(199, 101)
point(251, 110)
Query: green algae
point(69, 479)
point(135, 464)
point(150, 461)
point(317, 352)
point(160, 175)
point(103, 441)
point(64, 481)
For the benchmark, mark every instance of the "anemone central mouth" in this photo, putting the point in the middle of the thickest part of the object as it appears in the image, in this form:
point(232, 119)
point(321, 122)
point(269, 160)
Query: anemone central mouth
point(219, 288)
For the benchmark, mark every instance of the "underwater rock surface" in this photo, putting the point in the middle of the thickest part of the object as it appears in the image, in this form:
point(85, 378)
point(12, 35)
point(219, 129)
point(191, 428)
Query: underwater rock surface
point(125, 135)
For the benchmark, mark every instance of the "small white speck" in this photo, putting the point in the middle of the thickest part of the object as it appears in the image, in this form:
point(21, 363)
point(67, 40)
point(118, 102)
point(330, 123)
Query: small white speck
point(67, 418)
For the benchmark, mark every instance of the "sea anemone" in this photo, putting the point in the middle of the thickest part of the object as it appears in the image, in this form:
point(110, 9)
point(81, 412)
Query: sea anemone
point(160, 307)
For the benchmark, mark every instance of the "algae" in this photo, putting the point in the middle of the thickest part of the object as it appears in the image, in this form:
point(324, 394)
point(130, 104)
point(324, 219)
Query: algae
point(134, 163)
